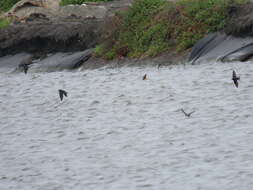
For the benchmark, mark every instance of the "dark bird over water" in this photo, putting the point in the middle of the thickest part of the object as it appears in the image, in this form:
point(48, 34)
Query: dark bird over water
point(25, 64)
point(24, 67)
point(187, 114)
point(62, 93)
point(159, 65)
point(235, 79)
point(144, 77)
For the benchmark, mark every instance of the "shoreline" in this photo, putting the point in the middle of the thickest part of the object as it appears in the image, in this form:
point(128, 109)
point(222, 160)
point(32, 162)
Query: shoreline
point(39, 34)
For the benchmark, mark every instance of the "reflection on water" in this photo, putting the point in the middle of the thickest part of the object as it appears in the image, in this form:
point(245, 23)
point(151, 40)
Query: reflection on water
point(116, 131)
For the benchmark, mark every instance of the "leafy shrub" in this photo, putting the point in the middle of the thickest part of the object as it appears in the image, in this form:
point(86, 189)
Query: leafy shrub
point(197, 18)
point(4, 23)
point(110, 55)
point(7, 4)
point(99, 50)
point(151, 27)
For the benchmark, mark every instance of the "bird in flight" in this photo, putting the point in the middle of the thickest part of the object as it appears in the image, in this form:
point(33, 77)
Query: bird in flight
point(25, 64)
point(62, 93)
point(144, 77)
point(159, 65)
point(235, 79)
point(187, 114)
point(25, 67)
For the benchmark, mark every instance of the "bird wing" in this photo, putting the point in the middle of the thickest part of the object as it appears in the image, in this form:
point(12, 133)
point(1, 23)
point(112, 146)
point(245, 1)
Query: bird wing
point(65, 93)
point(184, 112)
point(234, 75)
point(236, 83)
point(191, 112)
point(26, 68)
point(61, 95)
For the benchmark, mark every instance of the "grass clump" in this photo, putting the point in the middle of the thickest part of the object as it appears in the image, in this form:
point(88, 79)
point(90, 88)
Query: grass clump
point(4, 23)
point(5, 5)
point(198, 18)
point(79, 2)
point(140, 33)
point(151, 27)
point(100, 51)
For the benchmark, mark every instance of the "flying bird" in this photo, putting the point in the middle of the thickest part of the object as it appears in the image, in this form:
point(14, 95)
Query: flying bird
point(25, 64)
point(235, 79)
point(144, 77)
point(187, 114)
point(159, 65)
point(24, 67)
point(62, 93)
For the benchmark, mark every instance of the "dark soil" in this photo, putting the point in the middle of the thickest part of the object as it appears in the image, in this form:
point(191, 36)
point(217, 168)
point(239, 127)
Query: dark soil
point(241, 20)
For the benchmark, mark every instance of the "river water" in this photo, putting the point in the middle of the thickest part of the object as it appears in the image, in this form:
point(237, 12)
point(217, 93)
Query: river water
point(116, 131)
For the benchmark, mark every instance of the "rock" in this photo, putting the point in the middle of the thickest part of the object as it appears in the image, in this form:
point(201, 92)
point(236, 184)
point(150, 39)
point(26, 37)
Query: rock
point(206, 44)
point(243, 53)
point(219, 46)
point(61, 61)
point(47, 4)
point(50, 63)
point(83, 11)
point(50, 36)
point(37, 17)
point(9, 63)
point(51, 9)
point(25, 8)
point(43, 26)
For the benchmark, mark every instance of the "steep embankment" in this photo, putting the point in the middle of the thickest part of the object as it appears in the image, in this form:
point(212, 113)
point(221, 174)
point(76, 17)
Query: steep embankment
point(235, 43)
point(151, 27)
point(153, 31)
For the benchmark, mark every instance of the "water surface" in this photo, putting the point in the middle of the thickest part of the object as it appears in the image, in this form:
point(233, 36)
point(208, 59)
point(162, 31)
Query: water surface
point(116, 131)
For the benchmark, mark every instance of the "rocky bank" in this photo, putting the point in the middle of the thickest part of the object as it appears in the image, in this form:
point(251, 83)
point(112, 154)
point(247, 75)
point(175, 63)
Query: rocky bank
point(41, 27)
point(44, 26)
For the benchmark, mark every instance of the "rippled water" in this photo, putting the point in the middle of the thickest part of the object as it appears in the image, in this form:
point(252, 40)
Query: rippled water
point(116, 131)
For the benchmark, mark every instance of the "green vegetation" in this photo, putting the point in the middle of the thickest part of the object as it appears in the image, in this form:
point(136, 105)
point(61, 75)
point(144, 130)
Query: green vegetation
point(151, 27)
point(4, 23)
point(79, 2)
point(5, 5)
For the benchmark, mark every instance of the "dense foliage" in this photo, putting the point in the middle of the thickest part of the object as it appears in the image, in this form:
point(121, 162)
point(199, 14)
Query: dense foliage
point(7, 4)
point(150, 27)
point(4, 23)
point(79, 2)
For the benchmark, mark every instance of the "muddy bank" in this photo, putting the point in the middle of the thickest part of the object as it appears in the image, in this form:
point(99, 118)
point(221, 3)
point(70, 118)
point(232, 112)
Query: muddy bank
point(165, 59)
point(82, 60)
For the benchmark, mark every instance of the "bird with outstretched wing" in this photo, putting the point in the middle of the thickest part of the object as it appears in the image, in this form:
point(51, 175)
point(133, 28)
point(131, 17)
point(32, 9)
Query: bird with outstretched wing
point(235, 78)
point(187, 114)
point(62, 93)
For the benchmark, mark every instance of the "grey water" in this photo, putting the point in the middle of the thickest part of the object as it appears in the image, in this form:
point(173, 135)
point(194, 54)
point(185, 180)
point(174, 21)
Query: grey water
point(116, 131)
